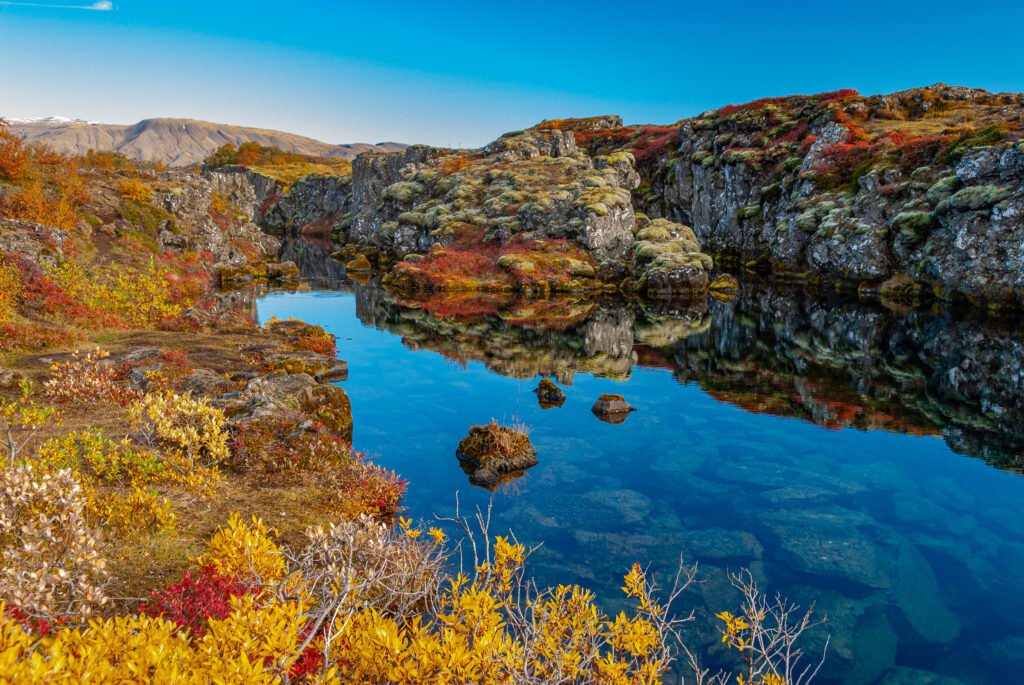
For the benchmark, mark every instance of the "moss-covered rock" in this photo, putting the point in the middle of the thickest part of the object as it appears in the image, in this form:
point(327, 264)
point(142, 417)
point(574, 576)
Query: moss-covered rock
point(612, 408)
point(549, 394)
point(242, 273)
point(330, 405)
point(978, 197)
point(942, 189)
point(491, 451)
point(913, 226)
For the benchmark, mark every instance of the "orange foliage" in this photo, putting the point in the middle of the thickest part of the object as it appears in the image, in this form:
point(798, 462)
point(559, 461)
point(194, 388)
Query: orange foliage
point(248, 154)
point(52, 192)
point(450, 165)
point(134, 189)
point(13, 154)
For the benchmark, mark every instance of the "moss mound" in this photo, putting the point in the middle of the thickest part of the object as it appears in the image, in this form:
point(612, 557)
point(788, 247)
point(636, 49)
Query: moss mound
point(492, 450)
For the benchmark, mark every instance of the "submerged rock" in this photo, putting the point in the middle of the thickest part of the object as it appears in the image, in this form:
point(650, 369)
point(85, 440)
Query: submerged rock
point(492, 454)
point(548, 394)
point(901, 675)
point(828, 543)
point(725, 288)
point(612, 408)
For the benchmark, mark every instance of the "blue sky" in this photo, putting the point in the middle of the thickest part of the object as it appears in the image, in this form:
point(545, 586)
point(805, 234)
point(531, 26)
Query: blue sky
point(463, 73)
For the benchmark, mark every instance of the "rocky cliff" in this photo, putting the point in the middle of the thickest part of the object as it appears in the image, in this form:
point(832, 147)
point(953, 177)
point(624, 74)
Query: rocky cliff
point(531, 211)
point(917, 192)
point(912, 195)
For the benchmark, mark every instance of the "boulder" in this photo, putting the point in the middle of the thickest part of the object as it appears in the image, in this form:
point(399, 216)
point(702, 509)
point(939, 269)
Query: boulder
point(612, 408)
point(491, 453)
point(548, 394)
point(9, 379)
point(285, 272)
point(359, 264)
point(280, 387)
point(724, 288)
point(207, 382)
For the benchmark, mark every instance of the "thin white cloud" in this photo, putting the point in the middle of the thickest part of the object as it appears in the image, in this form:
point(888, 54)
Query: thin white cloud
point(104, 6)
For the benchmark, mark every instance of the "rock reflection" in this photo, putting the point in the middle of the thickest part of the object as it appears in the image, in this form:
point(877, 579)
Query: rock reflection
point(833, 363)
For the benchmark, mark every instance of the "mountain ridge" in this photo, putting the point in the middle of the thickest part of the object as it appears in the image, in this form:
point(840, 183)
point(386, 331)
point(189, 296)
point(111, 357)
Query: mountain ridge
point(176, 141)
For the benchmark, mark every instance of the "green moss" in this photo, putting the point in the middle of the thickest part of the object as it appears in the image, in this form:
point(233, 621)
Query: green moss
point(749, 212)
point(913, 226)
point(808, 220)
point(413, 219)
point(403, 191)
point(547, 385)
point(942, 189)
point(743, 156)
point(979, 197)
point(145, 216)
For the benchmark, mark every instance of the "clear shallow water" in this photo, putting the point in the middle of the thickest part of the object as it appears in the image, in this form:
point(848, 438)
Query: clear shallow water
point(740, 454)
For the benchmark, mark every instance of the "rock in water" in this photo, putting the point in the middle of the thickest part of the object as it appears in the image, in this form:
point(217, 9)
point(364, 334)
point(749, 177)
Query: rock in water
point(493, 454)
point(612, 408)
point(548, 394)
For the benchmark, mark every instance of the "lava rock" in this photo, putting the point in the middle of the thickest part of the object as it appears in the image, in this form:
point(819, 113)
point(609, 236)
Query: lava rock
point(612, 408)
point(548, 394)
point(492, 454)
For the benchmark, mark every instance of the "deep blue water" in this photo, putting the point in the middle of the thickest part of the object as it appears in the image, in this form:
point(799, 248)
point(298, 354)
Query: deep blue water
point(915, 551)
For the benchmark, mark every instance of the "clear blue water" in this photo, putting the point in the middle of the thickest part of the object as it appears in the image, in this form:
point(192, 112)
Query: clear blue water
point(742, 453)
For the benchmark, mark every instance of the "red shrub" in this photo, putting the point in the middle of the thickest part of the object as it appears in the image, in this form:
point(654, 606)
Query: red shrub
point(196, 599)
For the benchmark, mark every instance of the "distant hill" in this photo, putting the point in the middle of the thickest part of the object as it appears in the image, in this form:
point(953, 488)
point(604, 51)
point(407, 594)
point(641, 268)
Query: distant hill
point(176, 142)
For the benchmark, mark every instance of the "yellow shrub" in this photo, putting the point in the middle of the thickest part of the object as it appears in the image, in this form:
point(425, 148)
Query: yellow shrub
point(187, 433)
point(130, 514)
point(136, 190)
point(112, 476)
point(269, 633)
point(140, 297)
point(10, 286)
point(245, 550)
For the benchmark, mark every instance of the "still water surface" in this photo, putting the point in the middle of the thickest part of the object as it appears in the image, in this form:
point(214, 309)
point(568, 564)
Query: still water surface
point(849, 456)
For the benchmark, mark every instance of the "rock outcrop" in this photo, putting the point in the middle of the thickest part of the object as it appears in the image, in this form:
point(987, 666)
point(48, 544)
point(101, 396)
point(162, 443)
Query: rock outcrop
point(926, 185)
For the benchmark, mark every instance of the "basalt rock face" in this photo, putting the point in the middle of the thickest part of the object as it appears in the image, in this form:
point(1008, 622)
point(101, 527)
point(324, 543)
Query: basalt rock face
point(926, 184)
point(198, 226)
point(34, 242)
point(311, 200)
point(535, 190)
point(374, 210)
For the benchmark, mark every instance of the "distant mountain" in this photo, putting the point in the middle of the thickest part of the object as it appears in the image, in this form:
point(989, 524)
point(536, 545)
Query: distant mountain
point(176, 142)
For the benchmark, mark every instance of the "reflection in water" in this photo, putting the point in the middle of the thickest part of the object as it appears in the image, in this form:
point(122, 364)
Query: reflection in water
point(834, 364)
point(912, 551)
